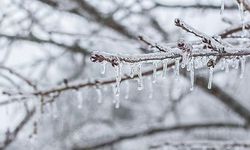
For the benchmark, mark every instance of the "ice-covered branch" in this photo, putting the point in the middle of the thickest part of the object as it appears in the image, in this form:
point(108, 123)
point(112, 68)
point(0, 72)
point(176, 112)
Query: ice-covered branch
point(117, 59)
point(211, 42)
point(141, 38)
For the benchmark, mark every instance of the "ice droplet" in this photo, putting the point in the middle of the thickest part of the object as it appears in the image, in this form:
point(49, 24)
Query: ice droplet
point(165, 68)
point(210, 80)
point(243, 65)
point(103, 67)
point(79, 99)
point(177, 68)
point(140, 79)
point(192, 74)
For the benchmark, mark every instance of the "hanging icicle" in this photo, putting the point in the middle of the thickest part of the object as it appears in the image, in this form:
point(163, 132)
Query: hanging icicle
point(227, 66)
point(132, 71)
point(150, 88)
point(185, 59)
point(99, 95)
point(140, 79)
point(155, 65)
point(53, 109)
point(79, 98)
point(177, 68)
point(192, 73)
point(243, 65)
point(103, 67)
point(242, 17)
point(118, 79)
point(127, 89)
point(210, 80)
point(222, 7)
point(117, 102)
point(165, 68)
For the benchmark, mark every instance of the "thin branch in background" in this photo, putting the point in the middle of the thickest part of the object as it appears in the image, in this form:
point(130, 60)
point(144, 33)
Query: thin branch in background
point(12, 135)
point(155, 130)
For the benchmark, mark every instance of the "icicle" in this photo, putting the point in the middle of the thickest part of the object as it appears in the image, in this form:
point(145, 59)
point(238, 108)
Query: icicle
point(192, 74)
point(198, 62)
point(236, 63)
point(99, 95)
point(127, 89)
point(118, 79)
point(185, 57)
point(210, 80)
point(154, 72)
point(204, 60)
point(117, 102)
point(222, 7)
point(177, 68)
point(54, 110)
point(242, 64)
point(223, 64)
point(132, 71)
point(227, 66)
point(103, 67)
point(79, 99)
point(150, 88)
point(165, 68)
point(140, 80)
point(241, 9)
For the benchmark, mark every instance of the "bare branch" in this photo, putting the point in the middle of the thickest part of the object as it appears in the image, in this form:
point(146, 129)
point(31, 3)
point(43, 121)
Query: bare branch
point(156, 130)
point(11, 136)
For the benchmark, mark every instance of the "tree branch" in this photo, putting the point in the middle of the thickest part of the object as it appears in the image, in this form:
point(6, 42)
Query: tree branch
point(156, 130)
